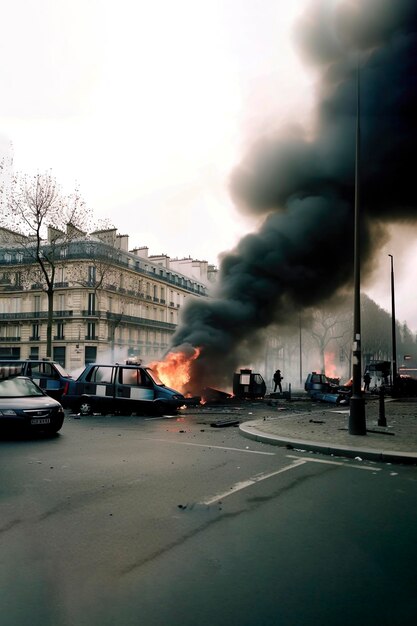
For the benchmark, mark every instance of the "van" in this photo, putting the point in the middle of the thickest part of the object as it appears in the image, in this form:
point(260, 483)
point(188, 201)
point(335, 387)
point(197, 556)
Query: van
point(48, 375)
point(124, 388)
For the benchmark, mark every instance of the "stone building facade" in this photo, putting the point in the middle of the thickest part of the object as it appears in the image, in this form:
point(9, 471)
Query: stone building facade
point(109, 303)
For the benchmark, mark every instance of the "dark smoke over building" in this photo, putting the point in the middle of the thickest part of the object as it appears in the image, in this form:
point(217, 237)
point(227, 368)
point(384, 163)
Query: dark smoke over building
point(302, 183)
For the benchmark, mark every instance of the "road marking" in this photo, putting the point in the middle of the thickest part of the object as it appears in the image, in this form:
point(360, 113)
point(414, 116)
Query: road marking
point(252, 481)
point(208, 445)
point(362, 467)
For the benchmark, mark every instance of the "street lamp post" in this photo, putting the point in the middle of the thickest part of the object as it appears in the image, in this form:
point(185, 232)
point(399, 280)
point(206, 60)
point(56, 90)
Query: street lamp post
point(357, 421)
point(301, 354)
point(394, 339)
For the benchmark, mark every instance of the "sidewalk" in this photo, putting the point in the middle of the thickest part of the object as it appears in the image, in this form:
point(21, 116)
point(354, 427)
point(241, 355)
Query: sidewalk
point(324, 428)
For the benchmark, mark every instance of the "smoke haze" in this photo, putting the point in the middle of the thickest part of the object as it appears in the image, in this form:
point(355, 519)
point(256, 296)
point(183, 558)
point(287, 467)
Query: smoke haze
point(301, 182)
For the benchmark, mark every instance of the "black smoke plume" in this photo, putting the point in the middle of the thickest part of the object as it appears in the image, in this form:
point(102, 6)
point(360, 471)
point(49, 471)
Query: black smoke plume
point(302, 182)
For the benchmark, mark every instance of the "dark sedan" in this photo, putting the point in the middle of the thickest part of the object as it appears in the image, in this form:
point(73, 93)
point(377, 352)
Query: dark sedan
point(25, 407)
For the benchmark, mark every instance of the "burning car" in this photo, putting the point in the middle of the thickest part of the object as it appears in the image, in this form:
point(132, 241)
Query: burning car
point(120, 387)
point(320, 387)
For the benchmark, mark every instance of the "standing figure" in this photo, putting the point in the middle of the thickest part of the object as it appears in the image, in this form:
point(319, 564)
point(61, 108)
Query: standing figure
point(277, 380)
point(366, 380)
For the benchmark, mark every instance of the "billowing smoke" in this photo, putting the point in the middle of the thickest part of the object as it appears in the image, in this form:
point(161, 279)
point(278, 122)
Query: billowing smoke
point(302, 182)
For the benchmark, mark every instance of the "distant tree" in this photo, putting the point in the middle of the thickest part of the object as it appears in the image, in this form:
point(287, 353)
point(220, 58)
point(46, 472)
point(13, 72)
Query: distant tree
point(44, 221)
point(328, 327)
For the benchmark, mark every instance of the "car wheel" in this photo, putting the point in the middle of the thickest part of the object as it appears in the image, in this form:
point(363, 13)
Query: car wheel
point(86, 408)
point(159, 409)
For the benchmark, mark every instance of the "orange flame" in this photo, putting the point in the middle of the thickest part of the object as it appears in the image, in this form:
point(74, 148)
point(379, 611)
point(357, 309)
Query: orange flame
point(174, 370)
point(330, 366)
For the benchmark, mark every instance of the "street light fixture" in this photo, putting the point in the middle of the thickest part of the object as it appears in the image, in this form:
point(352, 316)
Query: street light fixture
point(394, 339)
point(357, 420)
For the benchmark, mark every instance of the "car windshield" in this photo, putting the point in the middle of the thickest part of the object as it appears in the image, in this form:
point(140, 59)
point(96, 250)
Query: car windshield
point(154, 377)
point(18, 388)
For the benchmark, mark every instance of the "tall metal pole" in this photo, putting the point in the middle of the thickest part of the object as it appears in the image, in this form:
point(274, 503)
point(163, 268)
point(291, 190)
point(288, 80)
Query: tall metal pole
point(301, 356)
point(357, 421)
point(394, 338)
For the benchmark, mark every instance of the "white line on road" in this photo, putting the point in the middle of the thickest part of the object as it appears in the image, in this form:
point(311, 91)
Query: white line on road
point(209, 445)
point(252, 481)
point(362, 467)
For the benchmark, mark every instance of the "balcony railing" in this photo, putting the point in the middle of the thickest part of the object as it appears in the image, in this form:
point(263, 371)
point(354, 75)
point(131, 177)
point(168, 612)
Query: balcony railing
point(140, 321)
point(34, 315)
point(8, 287)
point(9, 339)
point(91, 338)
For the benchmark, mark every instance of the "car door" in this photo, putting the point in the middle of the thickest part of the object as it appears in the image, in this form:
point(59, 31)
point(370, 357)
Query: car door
point(134, 389)
point(99, 386)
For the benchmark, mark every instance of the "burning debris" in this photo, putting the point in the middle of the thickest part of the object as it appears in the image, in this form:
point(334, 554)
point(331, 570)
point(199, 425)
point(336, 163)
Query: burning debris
point(215, 395)
point(301, 182)
point(175, 369)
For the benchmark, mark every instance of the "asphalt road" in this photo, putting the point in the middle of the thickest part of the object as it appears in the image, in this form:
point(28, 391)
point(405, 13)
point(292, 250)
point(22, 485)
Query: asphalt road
point(134, 521)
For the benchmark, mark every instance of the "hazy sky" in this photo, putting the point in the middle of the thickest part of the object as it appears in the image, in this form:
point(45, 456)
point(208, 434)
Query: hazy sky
point(147, 106)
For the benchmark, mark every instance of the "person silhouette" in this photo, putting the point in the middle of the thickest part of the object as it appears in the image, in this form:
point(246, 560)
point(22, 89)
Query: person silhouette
point(277, 380)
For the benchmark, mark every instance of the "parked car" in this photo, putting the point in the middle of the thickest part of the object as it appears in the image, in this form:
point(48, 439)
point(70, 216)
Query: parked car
point(124, 388)
point(48, 375)
point(25, 407)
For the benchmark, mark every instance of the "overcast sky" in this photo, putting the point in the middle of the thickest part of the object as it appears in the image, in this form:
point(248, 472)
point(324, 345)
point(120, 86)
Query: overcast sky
point(147, 106)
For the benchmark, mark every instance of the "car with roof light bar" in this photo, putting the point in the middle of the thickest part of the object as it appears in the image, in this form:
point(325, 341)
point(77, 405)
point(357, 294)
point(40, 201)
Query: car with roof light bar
point(122, 388)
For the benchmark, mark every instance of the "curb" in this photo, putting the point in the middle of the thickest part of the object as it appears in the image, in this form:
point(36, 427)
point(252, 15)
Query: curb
point(249, 430)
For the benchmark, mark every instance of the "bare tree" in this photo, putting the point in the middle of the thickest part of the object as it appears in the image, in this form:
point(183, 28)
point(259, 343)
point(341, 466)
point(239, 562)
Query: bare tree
point(327, 328)
point(44, 221)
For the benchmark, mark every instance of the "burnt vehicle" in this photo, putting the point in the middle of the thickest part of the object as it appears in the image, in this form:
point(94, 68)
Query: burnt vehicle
point(248, 385)
point(320, 387)
point(26, 408)
point(122, 388)
point(48, 375)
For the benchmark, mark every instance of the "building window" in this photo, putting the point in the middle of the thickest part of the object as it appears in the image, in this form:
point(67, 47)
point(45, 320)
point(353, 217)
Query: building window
point(59, 355)
point(37, 304)
point(110, 305)
point(91, 274)
point(35, 332)
point(8, 257)
point(91, 330)
point(59, 331)
point(91, 304)
point(16, 305)
point(63, 252)
point(90, 354)
point(34, 352)
point(9, 353)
